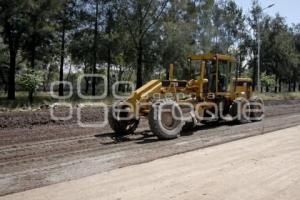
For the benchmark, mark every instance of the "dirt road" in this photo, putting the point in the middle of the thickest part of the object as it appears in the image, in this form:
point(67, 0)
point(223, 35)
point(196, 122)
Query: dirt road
point(41, 154)
point(263, 167)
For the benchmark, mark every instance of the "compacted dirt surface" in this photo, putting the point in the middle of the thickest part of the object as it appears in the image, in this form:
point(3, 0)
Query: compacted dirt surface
point(262, 167)
point(36, 150)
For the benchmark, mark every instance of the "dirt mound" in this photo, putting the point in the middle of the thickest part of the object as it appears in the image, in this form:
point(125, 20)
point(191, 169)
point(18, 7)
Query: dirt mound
point(43, 117)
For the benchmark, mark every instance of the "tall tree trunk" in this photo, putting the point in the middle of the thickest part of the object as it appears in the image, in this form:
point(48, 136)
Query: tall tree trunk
point(294, 86)
point(139, 70)
point(87, 85)
point(290, 86)
point(139, 44)
point(69, 73)
point(33, 44)
point(276, 84)
point(167, 72)
point(12, 74)
point(3, 81)
point(95, 49)
point(62, 60)
point(254, 77)
point(33, 53)
point(30, 97)
point(280, 85)
point(109, 23)
point(108, 71)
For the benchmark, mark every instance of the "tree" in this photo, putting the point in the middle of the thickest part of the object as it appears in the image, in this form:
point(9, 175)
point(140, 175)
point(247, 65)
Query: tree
point(178, 37)
point(14, 22)
point(31, 80)
point(253, 20)
point(67, 22)
point(40, 31)
point(109, 32)
point(278, 50)
point(268, 81)
point(80, 50)
point(4, 65)
point(140, 16)
point(296, 35)
point(95, 47)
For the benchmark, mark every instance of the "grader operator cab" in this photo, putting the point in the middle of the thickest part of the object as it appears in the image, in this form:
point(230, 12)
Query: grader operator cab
point(215, 92)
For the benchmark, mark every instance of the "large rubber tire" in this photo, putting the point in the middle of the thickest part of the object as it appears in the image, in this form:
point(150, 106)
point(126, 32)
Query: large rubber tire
point(188, 126)
point(122, 127)
point(165, 129)
point(240, 108)
point(257, 116)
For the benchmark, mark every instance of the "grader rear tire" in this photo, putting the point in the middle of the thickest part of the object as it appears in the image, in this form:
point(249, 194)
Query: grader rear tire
point(162, 122)
point(121, 127)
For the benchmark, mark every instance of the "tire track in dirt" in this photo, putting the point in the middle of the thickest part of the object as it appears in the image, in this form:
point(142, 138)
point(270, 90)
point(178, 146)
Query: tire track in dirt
point(53, 150)
point(224, 130)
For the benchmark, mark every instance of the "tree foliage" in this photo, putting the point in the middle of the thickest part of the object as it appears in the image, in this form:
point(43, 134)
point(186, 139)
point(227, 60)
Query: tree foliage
point(138, 39)
point(30, 80)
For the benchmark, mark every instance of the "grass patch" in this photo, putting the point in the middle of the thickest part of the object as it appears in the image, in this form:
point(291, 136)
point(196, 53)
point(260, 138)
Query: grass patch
point(22, 101)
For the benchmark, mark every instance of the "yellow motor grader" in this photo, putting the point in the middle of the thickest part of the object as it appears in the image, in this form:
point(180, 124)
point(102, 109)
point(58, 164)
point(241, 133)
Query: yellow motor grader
point(215, 92)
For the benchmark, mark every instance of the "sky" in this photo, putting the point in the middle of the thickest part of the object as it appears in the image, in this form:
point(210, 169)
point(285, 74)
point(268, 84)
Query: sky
point(286, 8)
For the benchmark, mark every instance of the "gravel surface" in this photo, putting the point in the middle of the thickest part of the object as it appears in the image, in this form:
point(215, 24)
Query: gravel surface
point(264, 167)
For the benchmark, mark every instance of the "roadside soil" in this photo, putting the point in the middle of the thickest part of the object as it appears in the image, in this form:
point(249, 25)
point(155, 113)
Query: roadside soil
point(262, 167)
point(36, 151)
point(29, 119)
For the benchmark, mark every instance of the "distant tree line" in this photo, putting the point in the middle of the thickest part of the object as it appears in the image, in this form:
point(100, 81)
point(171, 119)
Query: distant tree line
point(57, 38)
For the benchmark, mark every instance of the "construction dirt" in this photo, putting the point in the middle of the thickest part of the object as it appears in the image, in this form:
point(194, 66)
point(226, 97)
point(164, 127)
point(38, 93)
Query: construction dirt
point(36, 150)
point(262, 167)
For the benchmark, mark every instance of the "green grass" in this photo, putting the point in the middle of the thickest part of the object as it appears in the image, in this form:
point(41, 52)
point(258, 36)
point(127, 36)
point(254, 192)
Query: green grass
point(21, 100)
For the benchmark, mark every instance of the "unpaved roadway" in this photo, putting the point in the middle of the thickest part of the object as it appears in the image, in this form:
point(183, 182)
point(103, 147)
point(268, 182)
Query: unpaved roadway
point(263, 167)
point(44, 152)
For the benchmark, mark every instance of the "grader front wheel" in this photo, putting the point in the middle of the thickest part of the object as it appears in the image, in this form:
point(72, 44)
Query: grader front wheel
point(165, 120)
point(119, 124)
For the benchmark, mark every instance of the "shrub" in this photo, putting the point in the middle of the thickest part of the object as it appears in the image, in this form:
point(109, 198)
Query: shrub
point(30, 81)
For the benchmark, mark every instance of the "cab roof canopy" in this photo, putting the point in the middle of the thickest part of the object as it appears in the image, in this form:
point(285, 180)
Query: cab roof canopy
point(213, 57)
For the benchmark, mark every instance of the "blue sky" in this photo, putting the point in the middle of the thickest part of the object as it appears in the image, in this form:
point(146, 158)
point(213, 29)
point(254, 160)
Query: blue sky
point(290, 9)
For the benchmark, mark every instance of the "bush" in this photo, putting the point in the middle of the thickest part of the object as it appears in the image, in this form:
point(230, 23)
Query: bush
point(268, 80)
point(30, 81)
